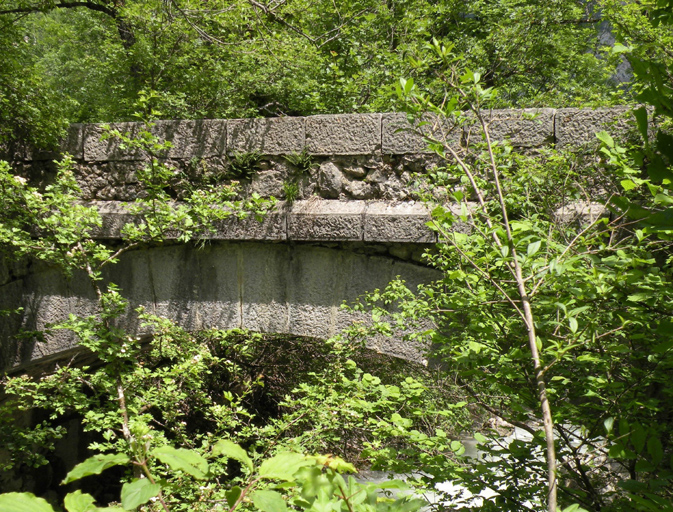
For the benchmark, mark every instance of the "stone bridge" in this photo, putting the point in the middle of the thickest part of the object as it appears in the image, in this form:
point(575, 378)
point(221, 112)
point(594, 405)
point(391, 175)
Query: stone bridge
point(355, 224)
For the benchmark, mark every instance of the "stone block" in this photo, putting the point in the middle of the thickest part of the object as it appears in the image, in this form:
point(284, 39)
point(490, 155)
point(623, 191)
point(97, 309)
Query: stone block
point(264, 284)
point(326, 220)
point(114, 216)
point(272, 136)
point(344, 134)
point(98, 150)
point(197, 289)
point(399, 137)
point(202, 138)
point(273, 226)
point(524, 128)
point(576, 127)
point(330, 180)
point(315, 291)
point(190, 139)
point(268, 183)
point(401, 222)
point(581, 212)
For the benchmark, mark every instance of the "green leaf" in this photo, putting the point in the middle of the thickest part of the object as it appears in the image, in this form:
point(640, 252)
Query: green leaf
point(407, 505)
point(95, 465)
point(23, 502)
point(618, 48)
point(78, 502)
point(574, 508)
point(335, 463)
point(232, 451)
point(480, 438)
point(534, 247)
point(138, 492)
point(232, 495)
point(181, 459)
point(573, 324)
point(641, 120)
point(283, 466)
point(638, 437)
point(628, 185)
point(604, 137)
point(269, 501)
point(400, 485)
point(456, 446)
point(655, 450)
point(609, 424)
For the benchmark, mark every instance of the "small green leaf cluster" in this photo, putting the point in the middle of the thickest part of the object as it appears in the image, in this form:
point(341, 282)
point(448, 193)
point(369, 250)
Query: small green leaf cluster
point(243, 166)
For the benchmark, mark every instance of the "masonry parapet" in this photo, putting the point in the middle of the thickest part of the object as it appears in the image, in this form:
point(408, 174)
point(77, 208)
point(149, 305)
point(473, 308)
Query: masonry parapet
point(352, 156)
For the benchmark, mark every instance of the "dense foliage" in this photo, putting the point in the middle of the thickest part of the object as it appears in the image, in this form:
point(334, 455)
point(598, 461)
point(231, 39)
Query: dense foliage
point(87, 61)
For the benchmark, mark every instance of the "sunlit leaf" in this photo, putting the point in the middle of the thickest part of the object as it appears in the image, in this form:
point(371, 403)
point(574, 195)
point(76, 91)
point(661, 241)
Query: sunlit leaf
point(23, 502)
point(138, 492)
point(95, 465)
point(182, 459)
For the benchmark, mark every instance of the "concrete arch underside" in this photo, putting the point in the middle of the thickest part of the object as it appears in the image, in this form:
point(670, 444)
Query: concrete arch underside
point(271, 288)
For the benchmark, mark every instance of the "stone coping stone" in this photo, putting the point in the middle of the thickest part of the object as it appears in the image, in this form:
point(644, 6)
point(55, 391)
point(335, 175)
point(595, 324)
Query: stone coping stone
point(343, 134)
point(272, 227)
point(400, 137)
point(577, 127)
point(524, 128)
point(189, 139)
point(326, 220)
point(271, 136)
point(339, 134)
point(193, 139)
point(402, 222)
point(97, 150)
point(114, 216)
point(582, 212)
point(311, 220)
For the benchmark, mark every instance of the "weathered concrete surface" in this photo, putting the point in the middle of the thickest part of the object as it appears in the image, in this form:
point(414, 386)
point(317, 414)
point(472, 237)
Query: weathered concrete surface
point(271, 288)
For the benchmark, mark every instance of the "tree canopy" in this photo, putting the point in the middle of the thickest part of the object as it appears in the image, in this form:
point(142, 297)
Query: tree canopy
point(86, 61)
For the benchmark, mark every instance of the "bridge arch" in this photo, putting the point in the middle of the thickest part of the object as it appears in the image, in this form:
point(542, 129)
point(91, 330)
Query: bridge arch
point(294, 289)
